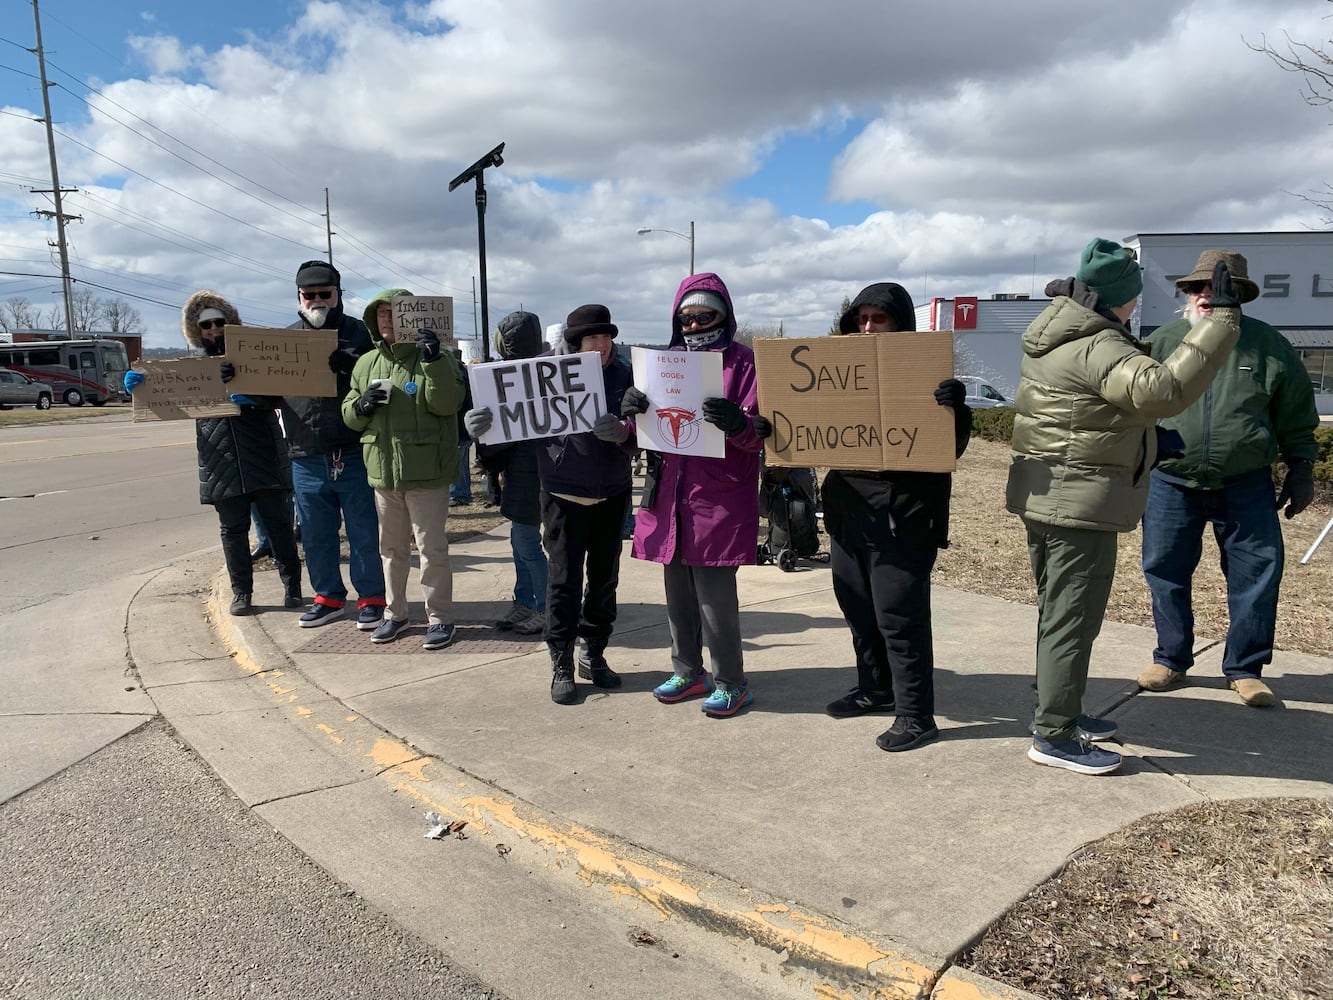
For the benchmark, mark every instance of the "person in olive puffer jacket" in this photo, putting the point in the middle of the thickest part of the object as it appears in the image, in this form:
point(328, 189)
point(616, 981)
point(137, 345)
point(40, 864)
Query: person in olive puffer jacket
point(1084, 443)
point(404, 400)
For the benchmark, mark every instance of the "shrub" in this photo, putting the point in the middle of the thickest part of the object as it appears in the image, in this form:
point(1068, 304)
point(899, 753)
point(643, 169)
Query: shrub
point(994, 424)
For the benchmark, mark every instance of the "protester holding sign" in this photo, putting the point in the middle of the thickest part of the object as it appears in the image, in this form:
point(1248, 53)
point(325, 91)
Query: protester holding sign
point(403, 400)
point(885, 530)
point(242, 461)
point(700, 516)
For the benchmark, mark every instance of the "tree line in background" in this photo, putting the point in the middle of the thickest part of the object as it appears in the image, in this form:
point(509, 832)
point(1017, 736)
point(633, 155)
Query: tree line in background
point(91, 314)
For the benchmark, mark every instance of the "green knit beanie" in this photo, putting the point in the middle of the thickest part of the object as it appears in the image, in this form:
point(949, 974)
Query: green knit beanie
point(1111, 271)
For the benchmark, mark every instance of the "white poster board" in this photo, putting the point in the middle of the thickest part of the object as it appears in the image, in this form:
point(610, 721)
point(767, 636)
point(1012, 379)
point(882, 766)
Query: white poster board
point(676, 384)
point(539, 397)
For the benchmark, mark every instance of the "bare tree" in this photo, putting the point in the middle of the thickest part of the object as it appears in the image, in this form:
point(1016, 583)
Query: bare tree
point(89, 310)
point(1315, 64)
point(17, 313)
point(748, 333)
point(121, 317)
point(53, 318)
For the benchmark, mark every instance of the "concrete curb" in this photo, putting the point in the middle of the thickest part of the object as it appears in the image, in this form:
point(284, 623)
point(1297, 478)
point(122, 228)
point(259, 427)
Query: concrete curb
point(803, 950)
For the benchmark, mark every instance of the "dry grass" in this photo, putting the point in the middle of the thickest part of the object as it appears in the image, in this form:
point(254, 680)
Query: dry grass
point(988, 555)
point(24, 416)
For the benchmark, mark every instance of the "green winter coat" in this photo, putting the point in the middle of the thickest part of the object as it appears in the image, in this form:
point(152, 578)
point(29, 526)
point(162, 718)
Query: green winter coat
point(1088, 397)
point(412, 442)
point(1259, 406)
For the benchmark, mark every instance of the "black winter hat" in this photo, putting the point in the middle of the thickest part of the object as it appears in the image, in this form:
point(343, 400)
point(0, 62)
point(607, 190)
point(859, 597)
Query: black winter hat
point(589, 321)
point(890, 296)
point(318, 272)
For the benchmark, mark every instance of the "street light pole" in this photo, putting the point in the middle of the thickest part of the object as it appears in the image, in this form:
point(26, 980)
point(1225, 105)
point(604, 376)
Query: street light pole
point(689, 239)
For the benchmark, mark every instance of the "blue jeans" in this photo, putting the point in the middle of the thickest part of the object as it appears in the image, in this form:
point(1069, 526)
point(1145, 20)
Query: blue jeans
point(530, 570)
point(1245, 524)
point(461, 490)
point(332, 490)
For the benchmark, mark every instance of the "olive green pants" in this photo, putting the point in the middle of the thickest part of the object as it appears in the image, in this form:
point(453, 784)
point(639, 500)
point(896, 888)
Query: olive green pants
point(1073, 568)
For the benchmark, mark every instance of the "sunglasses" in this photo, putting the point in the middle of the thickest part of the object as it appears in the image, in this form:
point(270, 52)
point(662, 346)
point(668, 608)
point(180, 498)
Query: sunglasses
point(208, 324)
point(1194, 287)
point(311, 296)
point(706, 317)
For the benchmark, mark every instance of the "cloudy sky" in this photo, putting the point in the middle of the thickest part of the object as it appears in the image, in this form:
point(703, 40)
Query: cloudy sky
point(958, 147)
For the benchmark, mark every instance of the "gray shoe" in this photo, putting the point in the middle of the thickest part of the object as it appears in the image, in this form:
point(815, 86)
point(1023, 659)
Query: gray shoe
point(534, 624)
point(516, 614)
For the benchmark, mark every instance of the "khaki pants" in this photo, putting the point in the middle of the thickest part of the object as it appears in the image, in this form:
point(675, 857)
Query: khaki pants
point(405, 514)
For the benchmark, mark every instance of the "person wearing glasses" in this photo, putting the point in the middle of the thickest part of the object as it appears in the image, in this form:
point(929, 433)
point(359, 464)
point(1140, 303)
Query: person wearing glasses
point(328, 472)
point(242, 461)
point(1084, 443)
point(1261, 407)
point(885, 531)
point(699, 516)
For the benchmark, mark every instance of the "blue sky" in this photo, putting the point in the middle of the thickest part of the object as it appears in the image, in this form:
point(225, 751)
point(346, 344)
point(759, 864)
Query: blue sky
point(816, 149)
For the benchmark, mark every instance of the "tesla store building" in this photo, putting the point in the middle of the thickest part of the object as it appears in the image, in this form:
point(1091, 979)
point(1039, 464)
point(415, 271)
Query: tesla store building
point(1294, 272)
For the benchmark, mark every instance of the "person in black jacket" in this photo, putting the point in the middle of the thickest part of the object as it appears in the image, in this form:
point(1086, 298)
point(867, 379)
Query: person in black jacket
point(328, 471)
point(886, 529)
point(242, 460)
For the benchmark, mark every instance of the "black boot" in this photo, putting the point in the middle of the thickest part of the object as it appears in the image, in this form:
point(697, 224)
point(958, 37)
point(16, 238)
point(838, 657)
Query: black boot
point(292, 598)
point(562, 674)
point(592, 665)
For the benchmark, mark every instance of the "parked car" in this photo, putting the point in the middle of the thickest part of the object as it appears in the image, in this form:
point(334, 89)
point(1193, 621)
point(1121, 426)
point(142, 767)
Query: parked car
point(981, 394)
point(19, 390)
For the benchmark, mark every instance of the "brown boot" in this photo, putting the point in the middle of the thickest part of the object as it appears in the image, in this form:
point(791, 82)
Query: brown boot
point(1253, 692)
point(1159, 677)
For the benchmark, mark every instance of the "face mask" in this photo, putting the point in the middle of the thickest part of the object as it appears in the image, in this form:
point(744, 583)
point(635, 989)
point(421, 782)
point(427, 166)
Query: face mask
point(316, 314)
point(215, 346)
point(699, 339)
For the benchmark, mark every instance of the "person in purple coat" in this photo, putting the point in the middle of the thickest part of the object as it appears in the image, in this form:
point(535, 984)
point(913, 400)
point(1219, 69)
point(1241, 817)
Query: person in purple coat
point(699, 516)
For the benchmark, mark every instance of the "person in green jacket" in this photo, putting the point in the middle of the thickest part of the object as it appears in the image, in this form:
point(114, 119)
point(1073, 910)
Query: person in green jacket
point(404, 400)
point(1084, 442)
point(1261, 407)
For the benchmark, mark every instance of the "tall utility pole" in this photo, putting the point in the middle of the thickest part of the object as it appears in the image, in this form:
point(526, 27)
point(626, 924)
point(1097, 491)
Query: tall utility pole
point(328, 221)
point(56, 191)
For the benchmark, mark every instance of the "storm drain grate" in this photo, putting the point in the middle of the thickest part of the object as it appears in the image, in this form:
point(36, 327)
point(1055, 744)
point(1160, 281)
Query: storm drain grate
point(471, 637)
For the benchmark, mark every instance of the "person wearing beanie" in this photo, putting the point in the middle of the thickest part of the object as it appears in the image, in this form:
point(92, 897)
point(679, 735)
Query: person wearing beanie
point(403, 400)
point(885, 532)
point(328, 473)
point(242, 462)
point(1084, 440)
point(1261, 408)
point(699, 516)
point(515, 463)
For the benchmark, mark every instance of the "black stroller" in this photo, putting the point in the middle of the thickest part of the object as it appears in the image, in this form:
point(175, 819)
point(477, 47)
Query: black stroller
point(788, 498)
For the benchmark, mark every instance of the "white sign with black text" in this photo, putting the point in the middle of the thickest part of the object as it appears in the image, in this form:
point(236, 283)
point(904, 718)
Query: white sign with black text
point(539, 397)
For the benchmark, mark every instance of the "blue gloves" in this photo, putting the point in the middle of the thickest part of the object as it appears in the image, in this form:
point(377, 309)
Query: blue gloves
point(132, 379)
point(428, 343)
point(241, 400)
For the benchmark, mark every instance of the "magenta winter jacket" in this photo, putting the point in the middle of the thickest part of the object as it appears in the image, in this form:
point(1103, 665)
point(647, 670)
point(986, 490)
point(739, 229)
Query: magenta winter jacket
point(707, 509)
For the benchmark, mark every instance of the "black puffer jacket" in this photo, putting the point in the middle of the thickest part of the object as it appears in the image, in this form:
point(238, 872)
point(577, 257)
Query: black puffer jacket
point(519, 336)
point(314, 424)
point(237, 455)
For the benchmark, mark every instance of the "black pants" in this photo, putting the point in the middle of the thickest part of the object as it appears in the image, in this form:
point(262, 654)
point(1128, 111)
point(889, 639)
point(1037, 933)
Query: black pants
point(885, 597)
point(234, 515)
point(574, 534)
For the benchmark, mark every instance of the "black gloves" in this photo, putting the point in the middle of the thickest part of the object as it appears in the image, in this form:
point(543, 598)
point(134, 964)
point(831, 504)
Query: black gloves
point(725, 415)
point(634, 401)
point(1224, 292)
point(1298, 488)
point(342, 361)
point(951, 392)
point(228, 372)
point(610, 428)
point(371, 400)
point(428, 343)
point(762, 426)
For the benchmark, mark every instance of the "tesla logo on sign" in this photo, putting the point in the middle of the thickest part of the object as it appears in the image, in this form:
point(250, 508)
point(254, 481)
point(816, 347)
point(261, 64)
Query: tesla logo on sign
point(965, 312)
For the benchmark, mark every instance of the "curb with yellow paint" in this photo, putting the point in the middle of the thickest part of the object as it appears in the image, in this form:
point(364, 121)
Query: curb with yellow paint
point(813, 953)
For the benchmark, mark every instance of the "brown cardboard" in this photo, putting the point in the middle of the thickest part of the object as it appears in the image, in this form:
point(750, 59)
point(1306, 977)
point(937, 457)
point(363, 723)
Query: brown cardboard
point(414, 313)
point(857, 402)
point(185, 389)
point(272, 362)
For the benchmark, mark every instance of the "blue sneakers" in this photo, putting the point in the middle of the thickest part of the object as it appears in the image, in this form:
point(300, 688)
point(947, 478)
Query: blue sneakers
point(676, 688)
point(321, 614)
point(1073, 755)
point(388, 630)
point(369, 617)
point(1096, 730)
point(438, 636)
point(724, 702)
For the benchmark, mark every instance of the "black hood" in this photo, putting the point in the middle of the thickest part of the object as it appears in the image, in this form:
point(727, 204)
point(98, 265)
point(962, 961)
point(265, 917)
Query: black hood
point(520, 336)
point(890, 296)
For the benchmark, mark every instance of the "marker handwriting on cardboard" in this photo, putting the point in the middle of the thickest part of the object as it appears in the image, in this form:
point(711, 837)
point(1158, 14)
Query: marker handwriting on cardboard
point(853, 376)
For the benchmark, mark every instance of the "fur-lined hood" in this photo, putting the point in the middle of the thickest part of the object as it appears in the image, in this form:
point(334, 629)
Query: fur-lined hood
point(196, 304)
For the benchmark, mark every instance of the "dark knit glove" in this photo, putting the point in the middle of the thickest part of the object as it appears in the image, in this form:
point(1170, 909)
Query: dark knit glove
point(428, 343)
point(1298, 488)
point(342, 361)
point(634, 401)
point(371, 400)
point(725, 415)
point(610, 428)
point(478, 421)
point(951, 392)
point(1224, 292)
point(228, 371)
point(763, 426)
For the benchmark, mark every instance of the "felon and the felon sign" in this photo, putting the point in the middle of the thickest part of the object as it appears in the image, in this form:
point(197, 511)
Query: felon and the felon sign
point(272, 362)
point(857, 402)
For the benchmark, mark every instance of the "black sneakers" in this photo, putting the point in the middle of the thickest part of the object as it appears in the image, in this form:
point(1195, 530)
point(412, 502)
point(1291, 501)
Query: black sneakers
point(907, 733)
point(857, 702)
point(240, 604)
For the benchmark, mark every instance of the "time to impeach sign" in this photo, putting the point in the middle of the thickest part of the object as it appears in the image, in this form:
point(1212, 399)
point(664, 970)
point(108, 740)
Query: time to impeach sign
point(857, 402)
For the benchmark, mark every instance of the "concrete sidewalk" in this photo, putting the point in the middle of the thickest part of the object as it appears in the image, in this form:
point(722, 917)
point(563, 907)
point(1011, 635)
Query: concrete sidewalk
point(781, 843)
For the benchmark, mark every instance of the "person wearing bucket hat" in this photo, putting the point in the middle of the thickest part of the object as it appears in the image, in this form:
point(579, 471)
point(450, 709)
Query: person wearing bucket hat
point(1261, 409)
point(1089, 397)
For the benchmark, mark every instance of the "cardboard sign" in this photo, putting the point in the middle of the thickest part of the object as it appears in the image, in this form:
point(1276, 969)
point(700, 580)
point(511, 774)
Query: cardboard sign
point(414, 313)
point(281, 362)
point(857, 402)
point(676, 384)
point(186, 389)
point(539, 397)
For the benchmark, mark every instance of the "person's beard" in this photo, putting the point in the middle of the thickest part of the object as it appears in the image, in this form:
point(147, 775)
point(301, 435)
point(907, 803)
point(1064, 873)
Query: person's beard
point(1193, 314)
point(315, 315)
